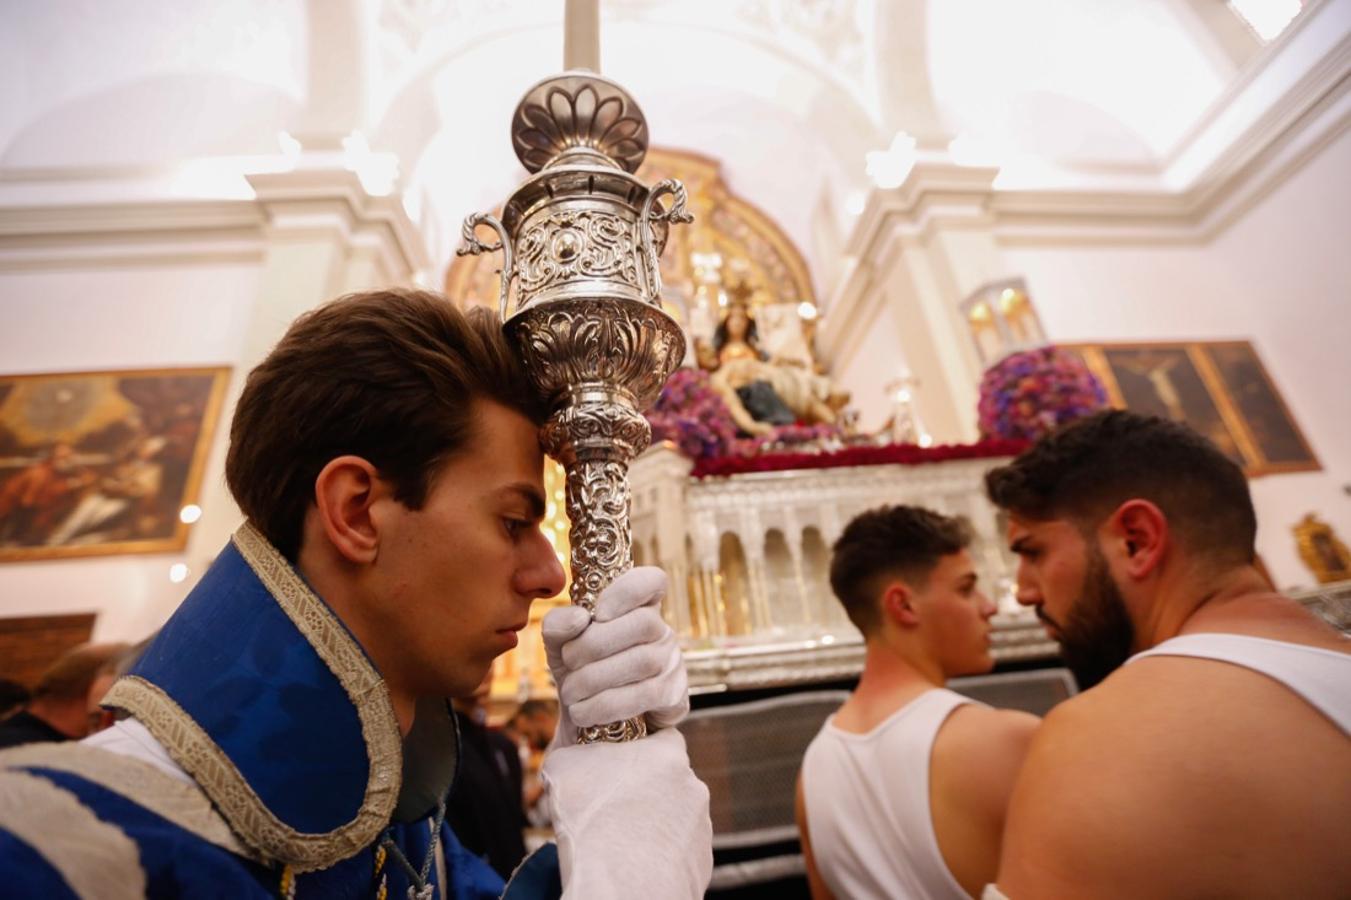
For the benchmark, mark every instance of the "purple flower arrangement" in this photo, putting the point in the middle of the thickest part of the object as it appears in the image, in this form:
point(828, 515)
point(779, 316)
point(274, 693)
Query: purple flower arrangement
point(691, 415)
point(1029, 394)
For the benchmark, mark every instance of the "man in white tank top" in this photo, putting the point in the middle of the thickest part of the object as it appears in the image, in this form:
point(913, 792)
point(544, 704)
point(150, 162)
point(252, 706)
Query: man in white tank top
point(903, 793)
point(1217, 763)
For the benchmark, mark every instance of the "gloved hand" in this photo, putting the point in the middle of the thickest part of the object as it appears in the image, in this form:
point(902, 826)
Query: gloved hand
point(624, 663)
point(631, 820)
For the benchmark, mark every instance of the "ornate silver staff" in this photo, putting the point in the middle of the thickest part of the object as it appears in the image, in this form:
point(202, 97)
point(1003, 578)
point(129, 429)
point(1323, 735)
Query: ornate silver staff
point(583, 238)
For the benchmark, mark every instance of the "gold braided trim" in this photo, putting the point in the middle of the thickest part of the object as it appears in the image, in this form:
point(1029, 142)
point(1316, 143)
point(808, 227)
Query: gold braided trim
point(169, 798)
point(222, 781)
point(96, 859)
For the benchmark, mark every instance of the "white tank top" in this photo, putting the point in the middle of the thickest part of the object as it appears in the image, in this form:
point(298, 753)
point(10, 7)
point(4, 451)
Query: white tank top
point(867, 799)
point(1321, 677)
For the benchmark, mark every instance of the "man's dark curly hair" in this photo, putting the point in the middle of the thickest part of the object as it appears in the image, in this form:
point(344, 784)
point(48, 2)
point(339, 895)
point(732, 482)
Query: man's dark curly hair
point(889, 542)
point(1087, 469)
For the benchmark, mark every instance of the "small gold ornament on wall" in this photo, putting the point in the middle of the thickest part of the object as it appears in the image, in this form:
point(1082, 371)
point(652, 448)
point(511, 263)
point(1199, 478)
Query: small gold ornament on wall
point(1321, 550)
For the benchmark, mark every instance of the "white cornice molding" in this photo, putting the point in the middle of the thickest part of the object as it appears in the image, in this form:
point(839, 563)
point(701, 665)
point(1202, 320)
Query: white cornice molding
point(1281, 143)
point(931, 187)
point(1311, 112)
point(1299, 40)
point(303, 197)
point(165, 230)
point(1314, 112)
point(136, 233)
point(168, 217)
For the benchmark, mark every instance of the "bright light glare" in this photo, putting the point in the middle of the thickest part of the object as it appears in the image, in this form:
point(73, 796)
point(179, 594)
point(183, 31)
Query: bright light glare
point(806, 310)
point(189, 514)
point(888, 168)
point(178, 572)
point(1267, 17)
point(290, 147)
point(856, 203)
point(378, 171)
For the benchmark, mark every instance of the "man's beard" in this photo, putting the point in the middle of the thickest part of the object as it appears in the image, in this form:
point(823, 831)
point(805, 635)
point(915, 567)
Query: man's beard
point(1097, 635)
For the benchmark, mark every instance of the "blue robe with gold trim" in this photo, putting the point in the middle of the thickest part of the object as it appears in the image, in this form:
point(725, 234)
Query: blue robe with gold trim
point(287, 734)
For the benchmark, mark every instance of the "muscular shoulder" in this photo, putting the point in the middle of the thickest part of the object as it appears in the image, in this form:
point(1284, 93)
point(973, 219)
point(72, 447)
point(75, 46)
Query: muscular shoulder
point(1137, 784)
point(978, 753)
point(977, 737)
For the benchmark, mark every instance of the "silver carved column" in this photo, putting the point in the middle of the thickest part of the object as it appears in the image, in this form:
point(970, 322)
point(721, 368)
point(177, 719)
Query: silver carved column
point(581, 241)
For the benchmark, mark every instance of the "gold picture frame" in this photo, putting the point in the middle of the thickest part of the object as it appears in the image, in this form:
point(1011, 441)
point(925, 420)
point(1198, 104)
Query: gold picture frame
point(99, 463)
point(1322, 551)
point(1220, 388)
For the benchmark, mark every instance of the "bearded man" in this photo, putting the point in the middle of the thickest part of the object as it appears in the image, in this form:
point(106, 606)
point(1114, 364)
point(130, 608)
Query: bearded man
point(1215, 762)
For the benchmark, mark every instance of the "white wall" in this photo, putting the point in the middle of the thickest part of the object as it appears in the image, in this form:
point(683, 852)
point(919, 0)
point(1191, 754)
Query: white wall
point(126, 317)
point(1278, 277)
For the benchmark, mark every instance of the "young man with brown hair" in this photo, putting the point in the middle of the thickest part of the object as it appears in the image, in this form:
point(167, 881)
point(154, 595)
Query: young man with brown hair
point(903, 792)
point(287, 731)
point(1217, 762)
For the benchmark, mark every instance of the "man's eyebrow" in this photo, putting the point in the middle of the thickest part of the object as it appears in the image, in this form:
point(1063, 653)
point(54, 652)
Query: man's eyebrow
point(530, 494)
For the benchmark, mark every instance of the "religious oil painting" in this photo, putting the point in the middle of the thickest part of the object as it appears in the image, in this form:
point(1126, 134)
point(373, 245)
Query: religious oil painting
point(96, 463)
point(1220, 388)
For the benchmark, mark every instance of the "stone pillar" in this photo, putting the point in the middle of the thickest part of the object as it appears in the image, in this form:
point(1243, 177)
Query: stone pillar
point(324, 235)
point(919, 250)
point(665, 471)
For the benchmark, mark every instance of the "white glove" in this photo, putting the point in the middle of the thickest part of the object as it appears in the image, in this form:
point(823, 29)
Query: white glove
point(624, 663)
point(631, 820)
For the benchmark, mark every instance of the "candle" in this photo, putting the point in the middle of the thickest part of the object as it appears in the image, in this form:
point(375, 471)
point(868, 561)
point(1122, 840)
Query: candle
point(581, 35)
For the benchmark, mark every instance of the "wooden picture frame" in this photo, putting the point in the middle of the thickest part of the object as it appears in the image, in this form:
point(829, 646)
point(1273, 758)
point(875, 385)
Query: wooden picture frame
point(1220, 388)
point(98, 463)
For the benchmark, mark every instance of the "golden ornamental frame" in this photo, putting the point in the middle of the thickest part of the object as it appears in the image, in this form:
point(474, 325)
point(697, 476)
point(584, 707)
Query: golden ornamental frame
point(206, 431)
point(1322, 551)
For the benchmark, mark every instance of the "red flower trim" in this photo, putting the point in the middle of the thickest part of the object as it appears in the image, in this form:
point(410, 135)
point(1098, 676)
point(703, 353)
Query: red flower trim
point(889, 454)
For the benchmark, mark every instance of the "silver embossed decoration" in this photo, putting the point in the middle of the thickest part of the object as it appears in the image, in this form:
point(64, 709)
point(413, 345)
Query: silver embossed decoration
point(581, 241)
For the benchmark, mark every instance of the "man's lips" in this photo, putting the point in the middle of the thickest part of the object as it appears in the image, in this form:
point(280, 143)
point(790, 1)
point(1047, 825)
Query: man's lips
point(1051, 625)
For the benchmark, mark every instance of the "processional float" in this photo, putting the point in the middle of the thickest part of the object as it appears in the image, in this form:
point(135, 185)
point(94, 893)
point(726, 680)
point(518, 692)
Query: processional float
point(582, 240)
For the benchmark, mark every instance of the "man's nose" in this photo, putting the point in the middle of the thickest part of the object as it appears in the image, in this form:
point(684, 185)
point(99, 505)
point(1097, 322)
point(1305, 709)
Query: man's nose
point(1026, 592)
point(543, 576)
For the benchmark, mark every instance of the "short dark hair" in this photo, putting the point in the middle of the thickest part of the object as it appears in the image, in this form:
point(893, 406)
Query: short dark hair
point(389, 376)
point(1085, 470)
point(889, 542)
point(73, 672)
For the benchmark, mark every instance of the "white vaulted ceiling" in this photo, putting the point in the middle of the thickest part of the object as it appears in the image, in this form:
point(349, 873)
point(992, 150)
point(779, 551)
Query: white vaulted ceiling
point(790, 94)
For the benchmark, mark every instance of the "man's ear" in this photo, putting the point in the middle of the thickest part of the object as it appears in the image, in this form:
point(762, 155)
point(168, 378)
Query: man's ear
point(1136, 535)
point(898, 604)
point(344, 493)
